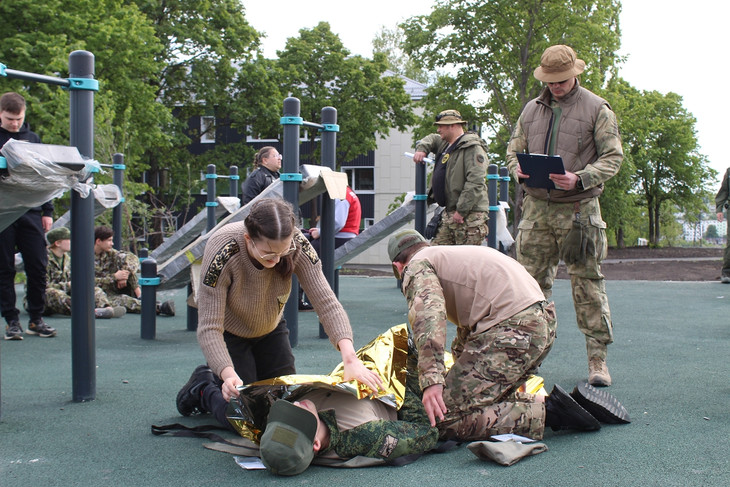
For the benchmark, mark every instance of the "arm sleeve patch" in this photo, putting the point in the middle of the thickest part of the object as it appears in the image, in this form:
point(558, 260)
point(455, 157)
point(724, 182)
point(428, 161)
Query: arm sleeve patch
point(306, 247)
point(215, 268)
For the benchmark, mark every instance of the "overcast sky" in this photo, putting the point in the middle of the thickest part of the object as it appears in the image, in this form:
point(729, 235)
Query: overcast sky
point(672, 46)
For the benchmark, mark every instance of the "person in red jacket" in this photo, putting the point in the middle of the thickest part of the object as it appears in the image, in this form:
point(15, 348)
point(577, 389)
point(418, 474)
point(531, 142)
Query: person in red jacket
point(348, 214)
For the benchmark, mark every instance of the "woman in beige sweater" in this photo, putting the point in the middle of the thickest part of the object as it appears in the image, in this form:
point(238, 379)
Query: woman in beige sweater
point(245, 283)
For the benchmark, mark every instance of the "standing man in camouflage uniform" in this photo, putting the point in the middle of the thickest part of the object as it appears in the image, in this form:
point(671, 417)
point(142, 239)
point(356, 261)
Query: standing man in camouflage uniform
point(58, 274)
point(458, 182)
point(570, 121)
point(505, 329)
point(721, 203)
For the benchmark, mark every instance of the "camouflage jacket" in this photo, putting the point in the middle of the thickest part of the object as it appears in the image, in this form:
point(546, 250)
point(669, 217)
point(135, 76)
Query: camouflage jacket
point(58, 271)
point(466, 172)
point(587, 135)
point(107, 264)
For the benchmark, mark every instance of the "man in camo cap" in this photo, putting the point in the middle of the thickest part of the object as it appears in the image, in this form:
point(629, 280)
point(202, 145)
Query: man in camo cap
point(505, 329)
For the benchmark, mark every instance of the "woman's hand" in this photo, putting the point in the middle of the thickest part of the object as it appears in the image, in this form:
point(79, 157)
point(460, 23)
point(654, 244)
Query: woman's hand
point(231, 381)
point(355, 369)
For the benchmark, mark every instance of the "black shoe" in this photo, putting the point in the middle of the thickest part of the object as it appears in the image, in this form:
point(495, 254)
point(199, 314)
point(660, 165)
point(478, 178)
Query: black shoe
point(602, 405)
point(13, 331)
point(305, 306)
point(40, 328)
point(188, 399)
point(562, 412)
point(166, 309)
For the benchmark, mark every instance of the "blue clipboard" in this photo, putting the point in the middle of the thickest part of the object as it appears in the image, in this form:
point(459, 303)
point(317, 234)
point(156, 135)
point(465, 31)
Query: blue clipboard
point(539, 167)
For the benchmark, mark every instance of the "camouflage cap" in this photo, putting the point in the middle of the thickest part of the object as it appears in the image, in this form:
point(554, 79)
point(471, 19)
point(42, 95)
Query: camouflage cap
point(287, 443)
point(60, 233)
point(402, 240)
point(558, 63)
point(449, 117)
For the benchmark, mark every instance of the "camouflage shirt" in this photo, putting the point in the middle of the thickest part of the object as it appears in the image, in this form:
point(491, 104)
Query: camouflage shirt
point(474, 287)
point(108, 263)
point(58, 271)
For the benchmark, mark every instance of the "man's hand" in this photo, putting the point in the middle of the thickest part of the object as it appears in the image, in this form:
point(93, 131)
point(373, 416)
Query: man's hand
point(314, 233)
point(719, 216)
point(419, 156)
point(47, 223)
point(458, 219)
point(433, 401)
point(565, 181)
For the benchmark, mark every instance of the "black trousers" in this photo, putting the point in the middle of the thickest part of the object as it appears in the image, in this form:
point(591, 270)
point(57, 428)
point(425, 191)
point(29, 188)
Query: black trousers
point(253, 359)
point(27, 236)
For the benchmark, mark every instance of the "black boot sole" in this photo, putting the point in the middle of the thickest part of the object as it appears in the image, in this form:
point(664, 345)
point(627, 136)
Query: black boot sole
point(602, 405)
point(573, 415)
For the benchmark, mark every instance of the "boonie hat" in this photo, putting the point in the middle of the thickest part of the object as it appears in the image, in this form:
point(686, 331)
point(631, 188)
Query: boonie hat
point(403, 240)
point(449, 117)
point(287, 443)
point(60, 233)
point(558, 63)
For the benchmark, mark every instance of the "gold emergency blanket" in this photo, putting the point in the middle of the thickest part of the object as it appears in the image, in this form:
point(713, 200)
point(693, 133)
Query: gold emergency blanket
point(387, 355)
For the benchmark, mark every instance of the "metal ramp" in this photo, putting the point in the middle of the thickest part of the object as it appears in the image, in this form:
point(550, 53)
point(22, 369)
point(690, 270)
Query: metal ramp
point(172, 272)
point(374, 234)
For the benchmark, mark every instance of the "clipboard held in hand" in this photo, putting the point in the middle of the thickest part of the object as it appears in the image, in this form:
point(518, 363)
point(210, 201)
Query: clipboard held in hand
point(539, 167)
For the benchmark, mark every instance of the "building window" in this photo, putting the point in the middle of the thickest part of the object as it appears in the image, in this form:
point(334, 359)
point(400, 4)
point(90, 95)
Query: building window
point(207, 130)
point(361, 179)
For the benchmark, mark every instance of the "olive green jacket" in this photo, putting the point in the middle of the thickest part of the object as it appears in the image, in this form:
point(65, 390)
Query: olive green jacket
point(466, 172)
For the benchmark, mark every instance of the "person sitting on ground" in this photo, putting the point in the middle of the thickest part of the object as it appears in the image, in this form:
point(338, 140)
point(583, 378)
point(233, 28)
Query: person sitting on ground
point(505, 329)
point(58, 275)
point(116, 275)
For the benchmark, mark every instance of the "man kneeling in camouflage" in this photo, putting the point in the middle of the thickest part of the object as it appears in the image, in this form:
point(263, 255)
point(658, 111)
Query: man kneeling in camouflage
point(505, 329)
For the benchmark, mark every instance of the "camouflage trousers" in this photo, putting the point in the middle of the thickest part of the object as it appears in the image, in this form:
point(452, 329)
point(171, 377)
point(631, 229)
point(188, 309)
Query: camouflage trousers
point(58, 301)
point(481, 388)
point(472, 232)
point(539, 242)
point(132, 304)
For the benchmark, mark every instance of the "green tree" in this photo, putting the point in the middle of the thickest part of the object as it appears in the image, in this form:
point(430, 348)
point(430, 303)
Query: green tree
point(711, 232)
point(390, 42)
point(659, 138)
point(492, 47)
point(316, 68)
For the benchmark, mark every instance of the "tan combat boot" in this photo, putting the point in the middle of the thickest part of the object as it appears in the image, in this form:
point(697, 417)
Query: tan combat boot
point(598, 372)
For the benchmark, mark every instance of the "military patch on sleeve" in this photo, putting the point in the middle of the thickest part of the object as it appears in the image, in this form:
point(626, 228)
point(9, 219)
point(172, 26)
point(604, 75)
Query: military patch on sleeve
point(480, 159)
point(307, 248)
point(215, 268)
point(388, 445)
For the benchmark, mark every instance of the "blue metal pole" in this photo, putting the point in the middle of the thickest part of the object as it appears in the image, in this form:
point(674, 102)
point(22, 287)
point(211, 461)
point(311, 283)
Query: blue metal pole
point(233, 181)
point(327, 220)
point(211, 203)
point(492, 178)
point(503, 193)
point(420, 197)
point(83, 333)
point(292, 121)
point(118, 165)
point(149, 283)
